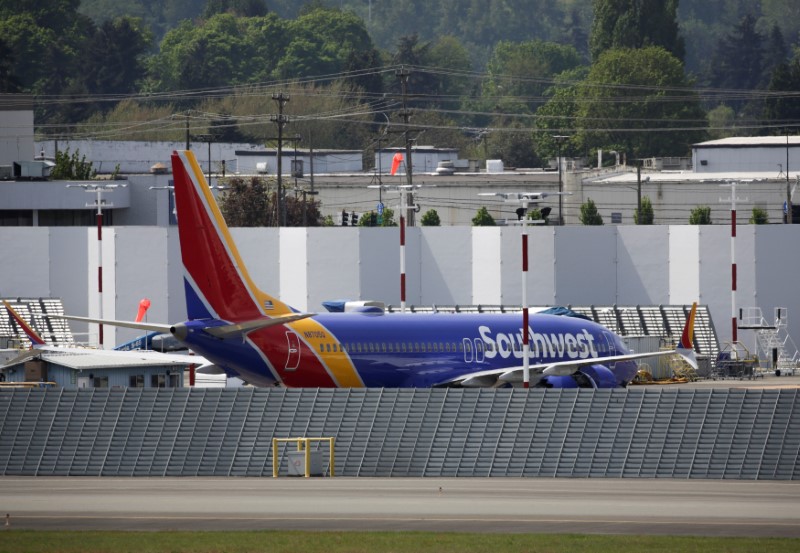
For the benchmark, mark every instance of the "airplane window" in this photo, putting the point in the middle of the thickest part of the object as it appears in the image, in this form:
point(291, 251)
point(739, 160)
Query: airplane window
point(383, 347)
point(441, 347)
point(447, 347)
point(328, 348)
point(371, 347)
point(430, 347)
point(403, 345)
point(436, 347)
point(391, 347)
point(416, 347)
point(322, 348)
point(334, 348)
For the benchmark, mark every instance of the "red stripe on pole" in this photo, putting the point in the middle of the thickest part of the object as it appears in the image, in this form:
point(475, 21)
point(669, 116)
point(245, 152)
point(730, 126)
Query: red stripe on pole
point(733, 223)
point(100, 279)
point(524, 325)
point(525, 252)
point(733, 277)
point(734, 335)
point(402, 231)
point(402, 287)
point(99, 227)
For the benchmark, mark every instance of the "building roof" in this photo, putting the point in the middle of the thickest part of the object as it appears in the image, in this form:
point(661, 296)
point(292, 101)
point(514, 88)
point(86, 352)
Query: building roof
point(689, 177)
point(750, 142)
point(96, 359)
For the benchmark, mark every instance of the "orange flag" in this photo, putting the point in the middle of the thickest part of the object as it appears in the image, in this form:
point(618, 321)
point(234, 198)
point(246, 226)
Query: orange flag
point(144, 305)
point(396, 161)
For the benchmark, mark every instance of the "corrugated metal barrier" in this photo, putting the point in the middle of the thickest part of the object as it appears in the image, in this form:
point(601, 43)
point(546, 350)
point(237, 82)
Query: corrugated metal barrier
point(646, 433)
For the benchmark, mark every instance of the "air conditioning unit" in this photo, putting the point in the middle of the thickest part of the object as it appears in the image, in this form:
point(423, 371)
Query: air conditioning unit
point(39, 169)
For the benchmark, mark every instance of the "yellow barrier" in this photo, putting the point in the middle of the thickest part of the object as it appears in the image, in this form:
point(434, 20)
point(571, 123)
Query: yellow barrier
point(303, 444)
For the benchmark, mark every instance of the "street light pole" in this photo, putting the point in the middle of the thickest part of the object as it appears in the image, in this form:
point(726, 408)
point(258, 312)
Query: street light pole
point(99, 190)
point(558, 138)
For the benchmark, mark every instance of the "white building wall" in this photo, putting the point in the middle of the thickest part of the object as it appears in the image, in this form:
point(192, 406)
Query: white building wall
point(445, 268)
point(684, 264)
point(25, 261)
point(642, 265)
point(586, 271)
point(333, 266)
point(459, 265)
point(487, 267)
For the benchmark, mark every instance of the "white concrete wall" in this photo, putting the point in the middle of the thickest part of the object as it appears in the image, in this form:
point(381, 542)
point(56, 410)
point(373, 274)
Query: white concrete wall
point(451, 265)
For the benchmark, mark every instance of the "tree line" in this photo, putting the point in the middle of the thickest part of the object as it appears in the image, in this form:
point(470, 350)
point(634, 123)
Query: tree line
point(522, 81)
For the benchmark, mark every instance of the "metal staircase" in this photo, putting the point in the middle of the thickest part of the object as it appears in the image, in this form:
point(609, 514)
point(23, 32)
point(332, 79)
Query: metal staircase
point(774, 345)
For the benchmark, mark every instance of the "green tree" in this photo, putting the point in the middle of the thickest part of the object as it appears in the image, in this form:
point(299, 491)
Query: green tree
point(246, 203)
point(240, 8)
point(430, 219)
point(322, 41)
point(589, 213)
point(72, 167)
point(115, 57)
point(8, 81)
point(644, 216)
point(739, 56)
point(371, 219)
point(483, 218)
point(700, 215)
point(638, 89)
point(759, 216)
point(521, 69)
point(635, 24)
point(783, 107)
point(721, 122)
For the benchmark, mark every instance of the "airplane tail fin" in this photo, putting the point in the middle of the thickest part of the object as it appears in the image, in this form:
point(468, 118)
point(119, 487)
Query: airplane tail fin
point(216, 281)
point(686, 346)
point(36, 340)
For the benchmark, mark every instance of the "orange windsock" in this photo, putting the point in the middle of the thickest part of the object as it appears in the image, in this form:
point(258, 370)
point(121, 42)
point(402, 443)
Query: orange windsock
point(396, 161)
point(144, 305)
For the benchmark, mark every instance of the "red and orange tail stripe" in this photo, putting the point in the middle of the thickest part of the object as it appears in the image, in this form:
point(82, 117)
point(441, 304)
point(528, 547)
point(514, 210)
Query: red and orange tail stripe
point(35, 339)
point(687, 338)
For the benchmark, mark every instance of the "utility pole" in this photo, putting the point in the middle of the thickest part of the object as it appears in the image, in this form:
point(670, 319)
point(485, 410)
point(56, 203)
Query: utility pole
point(281, 121)
point(559, 138)
point(188, 139)
point(788, 187)
point(402, 75)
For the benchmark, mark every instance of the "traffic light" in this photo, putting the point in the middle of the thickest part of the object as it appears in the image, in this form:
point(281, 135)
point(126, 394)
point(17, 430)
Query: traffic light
point(345, 215)
point(353, 218)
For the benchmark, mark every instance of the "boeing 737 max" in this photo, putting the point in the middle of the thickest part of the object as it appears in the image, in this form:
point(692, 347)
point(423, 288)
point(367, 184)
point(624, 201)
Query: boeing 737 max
point(257, 337)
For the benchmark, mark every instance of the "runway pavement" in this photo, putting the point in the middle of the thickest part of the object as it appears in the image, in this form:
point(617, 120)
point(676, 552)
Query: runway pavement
point(499, 505)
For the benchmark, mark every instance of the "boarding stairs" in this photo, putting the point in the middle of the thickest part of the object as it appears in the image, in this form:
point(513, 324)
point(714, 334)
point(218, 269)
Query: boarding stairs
point(774, 345)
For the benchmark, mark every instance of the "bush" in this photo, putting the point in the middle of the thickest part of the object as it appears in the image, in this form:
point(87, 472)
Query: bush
point(701, 215)
point(483, 218)
point(589, 214)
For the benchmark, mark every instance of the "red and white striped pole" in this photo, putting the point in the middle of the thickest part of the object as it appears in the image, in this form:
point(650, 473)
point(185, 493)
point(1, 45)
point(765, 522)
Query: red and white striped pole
point(734, 329)
point(99, 266)
point(403, 208)
point(98, 190)
point(526, 373)
point(732, 199)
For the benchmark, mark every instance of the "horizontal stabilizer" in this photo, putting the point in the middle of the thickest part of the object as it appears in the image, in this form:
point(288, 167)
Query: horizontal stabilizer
point(244, 328)
point(152, 327)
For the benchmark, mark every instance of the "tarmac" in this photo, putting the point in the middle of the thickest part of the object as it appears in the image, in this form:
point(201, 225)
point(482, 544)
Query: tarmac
point(485, 505)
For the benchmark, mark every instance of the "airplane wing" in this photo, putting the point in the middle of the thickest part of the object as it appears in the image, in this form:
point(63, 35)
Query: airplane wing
point(513, 375)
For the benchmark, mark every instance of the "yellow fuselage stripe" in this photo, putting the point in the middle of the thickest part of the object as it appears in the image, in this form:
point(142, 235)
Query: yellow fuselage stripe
point(338, 363)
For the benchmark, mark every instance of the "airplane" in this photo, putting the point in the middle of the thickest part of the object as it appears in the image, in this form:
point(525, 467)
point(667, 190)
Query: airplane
point(39, 346)
point(264, 341)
